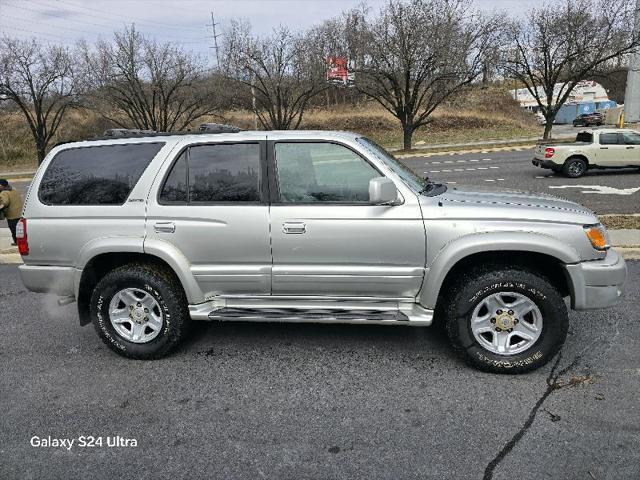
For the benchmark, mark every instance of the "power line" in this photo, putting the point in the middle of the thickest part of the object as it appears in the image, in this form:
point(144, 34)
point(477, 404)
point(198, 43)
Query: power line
point(128, 17)
point(110, 26)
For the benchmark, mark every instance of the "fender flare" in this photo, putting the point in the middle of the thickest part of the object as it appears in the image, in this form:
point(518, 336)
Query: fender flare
point(488, 242)
point(157, 248)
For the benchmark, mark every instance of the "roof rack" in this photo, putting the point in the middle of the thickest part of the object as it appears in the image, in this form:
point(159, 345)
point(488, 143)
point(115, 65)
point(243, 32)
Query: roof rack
point(205, 128)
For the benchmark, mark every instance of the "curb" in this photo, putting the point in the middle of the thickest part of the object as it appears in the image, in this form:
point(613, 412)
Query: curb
point(511, 148)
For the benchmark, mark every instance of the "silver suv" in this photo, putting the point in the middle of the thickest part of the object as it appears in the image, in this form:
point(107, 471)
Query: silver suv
point(148, 233)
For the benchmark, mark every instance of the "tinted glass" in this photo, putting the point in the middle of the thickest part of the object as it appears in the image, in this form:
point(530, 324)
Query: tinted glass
point(175, 187)
point(224, 173)
point(584, 137)
point(608, 139)
point(322, 172)
point(631, 138)
point(103, 175)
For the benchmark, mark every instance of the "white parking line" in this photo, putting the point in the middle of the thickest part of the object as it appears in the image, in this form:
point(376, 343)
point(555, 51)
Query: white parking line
point(489, 180)
point(474, 160)
point(494, 167)
point(446, 170)
point(483, 168)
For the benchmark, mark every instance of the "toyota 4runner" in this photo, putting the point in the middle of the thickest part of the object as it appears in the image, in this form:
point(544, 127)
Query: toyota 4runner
point(149, 233)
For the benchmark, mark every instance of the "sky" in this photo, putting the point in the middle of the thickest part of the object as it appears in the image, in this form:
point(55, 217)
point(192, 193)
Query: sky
point(186, 22)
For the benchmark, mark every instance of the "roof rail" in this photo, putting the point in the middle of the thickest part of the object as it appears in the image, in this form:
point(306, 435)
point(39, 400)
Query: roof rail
point(205, 128)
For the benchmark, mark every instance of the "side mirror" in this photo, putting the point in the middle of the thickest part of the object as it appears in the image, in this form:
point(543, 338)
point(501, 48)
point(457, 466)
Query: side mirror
point(382, 191)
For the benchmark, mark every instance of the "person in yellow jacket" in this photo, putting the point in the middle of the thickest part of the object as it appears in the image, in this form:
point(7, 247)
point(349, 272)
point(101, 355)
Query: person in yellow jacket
point(10, 205)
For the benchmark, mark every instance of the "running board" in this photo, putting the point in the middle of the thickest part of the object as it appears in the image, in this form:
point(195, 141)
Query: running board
point(312, 311)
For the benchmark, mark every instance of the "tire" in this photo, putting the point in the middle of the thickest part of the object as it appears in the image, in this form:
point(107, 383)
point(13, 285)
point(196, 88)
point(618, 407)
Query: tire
point(168, 316)
point(574, 167)
point(469, 295)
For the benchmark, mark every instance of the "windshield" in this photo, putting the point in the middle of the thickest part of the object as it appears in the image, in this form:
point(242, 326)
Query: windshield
point(412, 180)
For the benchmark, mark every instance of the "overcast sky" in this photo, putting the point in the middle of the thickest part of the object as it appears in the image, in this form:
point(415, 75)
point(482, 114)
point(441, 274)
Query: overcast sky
point(180, 21)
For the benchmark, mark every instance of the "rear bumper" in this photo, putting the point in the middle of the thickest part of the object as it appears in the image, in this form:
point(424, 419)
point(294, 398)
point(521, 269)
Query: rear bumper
point(597, 283)
point(544, 163)
point(48, 279)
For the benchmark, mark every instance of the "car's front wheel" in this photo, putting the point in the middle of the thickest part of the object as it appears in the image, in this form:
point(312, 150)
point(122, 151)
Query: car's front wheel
point(139, 311)
point(506, 320)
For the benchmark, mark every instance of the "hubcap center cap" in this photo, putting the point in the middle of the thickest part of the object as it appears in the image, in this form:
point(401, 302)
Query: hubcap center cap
point(138, 315)
point(505, 321)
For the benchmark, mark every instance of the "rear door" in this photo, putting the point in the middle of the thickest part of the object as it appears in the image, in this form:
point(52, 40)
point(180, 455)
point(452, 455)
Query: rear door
point(327, 238)
point(211, 203)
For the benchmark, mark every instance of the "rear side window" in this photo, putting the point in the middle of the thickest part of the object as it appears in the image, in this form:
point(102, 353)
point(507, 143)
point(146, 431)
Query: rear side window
point(584, 137)
point(608, 139)
point(215, 174)
point(101, 175)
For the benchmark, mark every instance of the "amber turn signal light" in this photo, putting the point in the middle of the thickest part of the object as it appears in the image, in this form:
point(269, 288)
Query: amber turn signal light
point(597, 235)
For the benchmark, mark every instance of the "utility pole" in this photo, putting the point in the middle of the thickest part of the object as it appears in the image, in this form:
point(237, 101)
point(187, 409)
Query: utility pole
point(632, 95)
point(215, 39)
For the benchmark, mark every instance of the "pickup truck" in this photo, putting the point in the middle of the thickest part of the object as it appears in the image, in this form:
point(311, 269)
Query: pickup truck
point(593, 148)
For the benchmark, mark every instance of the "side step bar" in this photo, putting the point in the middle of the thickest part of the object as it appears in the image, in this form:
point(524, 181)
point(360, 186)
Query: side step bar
point(260, 310)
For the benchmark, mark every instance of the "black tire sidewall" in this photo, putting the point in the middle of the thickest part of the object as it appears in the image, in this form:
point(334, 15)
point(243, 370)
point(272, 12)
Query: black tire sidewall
point(547, 299)
point(159, 289)
point(568, 163)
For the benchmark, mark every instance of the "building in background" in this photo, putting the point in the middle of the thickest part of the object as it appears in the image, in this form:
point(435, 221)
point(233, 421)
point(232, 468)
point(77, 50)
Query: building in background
point(587, 97)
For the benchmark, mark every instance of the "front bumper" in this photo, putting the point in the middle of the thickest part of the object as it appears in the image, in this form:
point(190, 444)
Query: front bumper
point(544, 163)
point(597, 283)
point(48, 279)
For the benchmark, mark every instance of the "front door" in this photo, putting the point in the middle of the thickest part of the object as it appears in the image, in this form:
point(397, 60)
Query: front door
point(212, 206)
point(631, 141)
point(327, 238)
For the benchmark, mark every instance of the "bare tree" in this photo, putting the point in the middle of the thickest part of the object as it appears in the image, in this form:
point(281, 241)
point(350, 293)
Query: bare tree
point(558, 45)
point(283, 71)
point(40, 81)
point(420, 53)
point(155, 86)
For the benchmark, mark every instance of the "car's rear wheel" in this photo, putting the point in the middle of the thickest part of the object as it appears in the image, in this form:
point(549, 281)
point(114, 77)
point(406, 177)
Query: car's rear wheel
point(574, 167)
point(506, 320)
point(139, 311)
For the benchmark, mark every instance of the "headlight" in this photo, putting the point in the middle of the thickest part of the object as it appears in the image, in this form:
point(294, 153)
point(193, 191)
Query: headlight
point(598, 236)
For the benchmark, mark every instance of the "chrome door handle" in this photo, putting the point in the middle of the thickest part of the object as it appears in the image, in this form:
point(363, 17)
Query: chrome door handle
point(629, 148)
point(294, 228)
point(604, 148)
point(164, 227)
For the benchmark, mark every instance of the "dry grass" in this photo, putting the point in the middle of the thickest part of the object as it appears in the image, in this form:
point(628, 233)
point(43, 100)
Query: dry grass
point(478, 114)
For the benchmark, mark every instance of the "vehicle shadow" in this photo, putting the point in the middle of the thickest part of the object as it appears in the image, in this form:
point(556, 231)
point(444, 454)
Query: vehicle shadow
point(211, 335)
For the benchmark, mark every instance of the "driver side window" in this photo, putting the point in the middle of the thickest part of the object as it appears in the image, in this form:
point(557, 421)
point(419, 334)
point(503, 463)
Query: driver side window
point(322, 172)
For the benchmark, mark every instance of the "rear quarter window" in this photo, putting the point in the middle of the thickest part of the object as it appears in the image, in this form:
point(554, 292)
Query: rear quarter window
point(100, 175)
point(584, 137)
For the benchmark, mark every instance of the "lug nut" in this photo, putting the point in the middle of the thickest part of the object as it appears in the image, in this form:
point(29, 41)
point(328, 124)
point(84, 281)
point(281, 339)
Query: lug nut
point(139, 304)
point(510, 312)
point(498, 329)
point(499, 312)
point(510, 330)
point(130, 307)
point(515, 320)
point(146, 310)
point(493, 320)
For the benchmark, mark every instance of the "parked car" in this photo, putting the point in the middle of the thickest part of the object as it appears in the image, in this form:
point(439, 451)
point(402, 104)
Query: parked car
point(589, 119)
point(147, 234)
point(602, 148)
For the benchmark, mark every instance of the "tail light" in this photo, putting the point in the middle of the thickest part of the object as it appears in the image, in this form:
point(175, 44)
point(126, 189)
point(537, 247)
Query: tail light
point(21, 237)
point(548, 152)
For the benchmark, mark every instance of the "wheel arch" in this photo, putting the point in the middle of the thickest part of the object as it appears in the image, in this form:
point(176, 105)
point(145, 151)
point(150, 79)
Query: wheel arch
point(541, 253)
point(95, 267)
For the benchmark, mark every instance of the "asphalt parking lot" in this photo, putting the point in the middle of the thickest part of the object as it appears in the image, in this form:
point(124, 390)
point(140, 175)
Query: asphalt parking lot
point(603, 191)
point(245, 400)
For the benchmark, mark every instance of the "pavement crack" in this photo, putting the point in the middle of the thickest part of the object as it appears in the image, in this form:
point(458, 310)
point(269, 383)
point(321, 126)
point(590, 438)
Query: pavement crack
point(553, 383)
